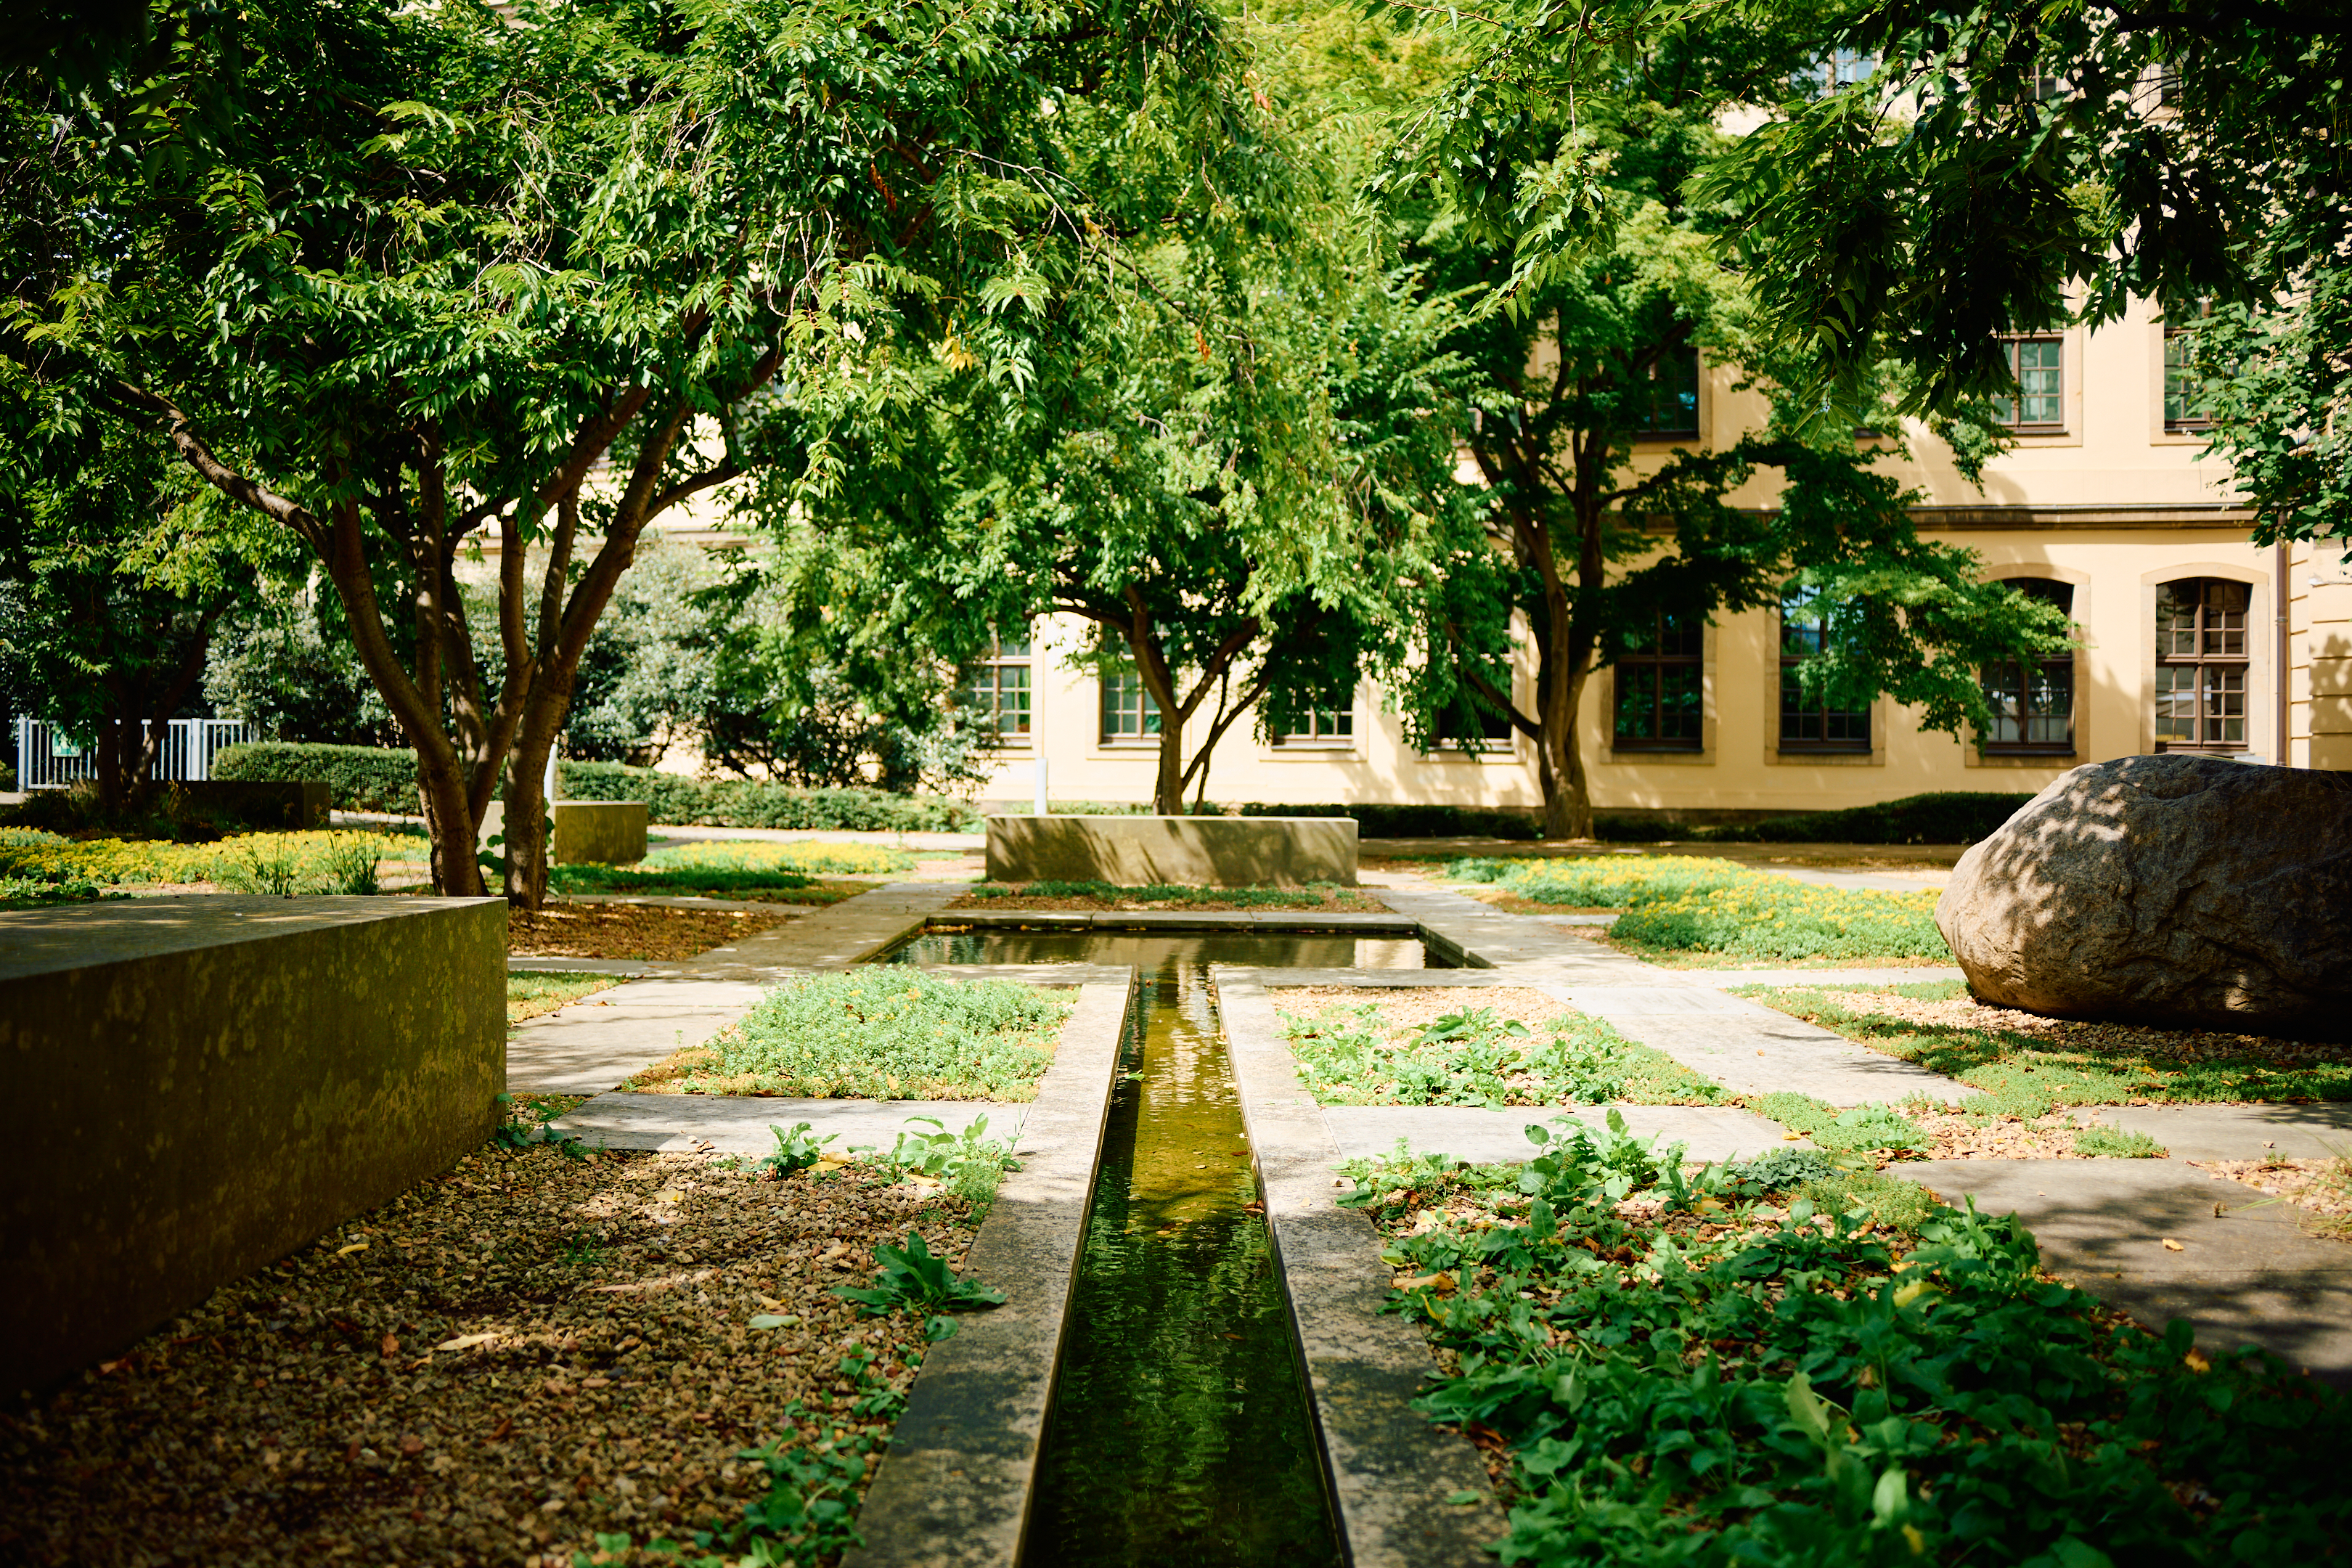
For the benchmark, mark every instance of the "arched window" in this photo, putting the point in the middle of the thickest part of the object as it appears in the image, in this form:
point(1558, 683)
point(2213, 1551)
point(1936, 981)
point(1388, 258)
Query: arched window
point(2201, 665)
point(1809, 724)
point(2034, 702)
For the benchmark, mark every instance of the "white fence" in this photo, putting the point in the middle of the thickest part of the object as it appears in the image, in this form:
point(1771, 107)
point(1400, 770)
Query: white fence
point(45, 759)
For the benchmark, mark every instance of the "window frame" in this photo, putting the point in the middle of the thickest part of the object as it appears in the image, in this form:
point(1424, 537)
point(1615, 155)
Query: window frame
point(1986, 746)
point(993, 666)
point(1316, 737)
point(2195, 426)
point(1677, 345)
point(1656, 661)
point(2012, 346)
point(1147, 711)
point(2200, 660)
point(1822, 745)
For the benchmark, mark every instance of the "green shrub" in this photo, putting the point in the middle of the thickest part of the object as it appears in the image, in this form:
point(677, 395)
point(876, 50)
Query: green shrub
point(377, 778)
point(1351, 1056)
point(1416, 821)
point(358, 778)
point(887, 1032)
point(2115, 1144)
point(1671, 1391)
point(274, 863)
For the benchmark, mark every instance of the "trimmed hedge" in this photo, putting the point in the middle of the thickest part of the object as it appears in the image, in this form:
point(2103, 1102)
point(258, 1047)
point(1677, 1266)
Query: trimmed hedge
point(358, 778)
point(1418, 821)
point(383, 778)
point(1951, 816)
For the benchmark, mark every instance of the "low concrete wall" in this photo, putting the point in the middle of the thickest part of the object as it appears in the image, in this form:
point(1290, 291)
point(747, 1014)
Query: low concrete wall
point(600, 832)
point(1183, 851)
point(205, 1084)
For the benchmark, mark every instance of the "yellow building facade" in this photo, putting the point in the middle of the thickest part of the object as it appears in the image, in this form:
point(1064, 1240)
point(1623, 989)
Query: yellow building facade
point(2191, 639)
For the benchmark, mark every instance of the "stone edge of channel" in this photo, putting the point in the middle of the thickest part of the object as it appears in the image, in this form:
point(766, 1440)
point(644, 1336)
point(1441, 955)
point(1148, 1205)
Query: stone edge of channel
point(953, 1490)
point(1391, 1474)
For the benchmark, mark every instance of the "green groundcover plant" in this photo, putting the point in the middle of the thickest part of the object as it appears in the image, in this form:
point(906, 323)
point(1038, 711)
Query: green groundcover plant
point(733, 869)
point(1352, 1055)
point(1683, 1371)
point(887, 1032)
point(2022, 1074)
point(1681, 903)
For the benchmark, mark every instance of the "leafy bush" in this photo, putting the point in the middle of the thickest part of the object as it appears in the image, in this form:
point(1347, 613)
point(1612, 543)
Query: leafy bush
point(745, 802)
point(968, 1164)
point(1416, 821)
point(912, 1277)
point(1351, 1056)
point(889, 1033)
point(1691, 1380)
point(1857, 1128)
point(358, 778)
point(274, 863)
point(1948, 817)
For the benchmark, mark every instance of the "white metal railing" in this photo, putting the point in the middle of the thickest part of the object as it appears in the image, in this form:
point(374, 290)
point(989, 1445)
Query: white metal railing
point(48, 758)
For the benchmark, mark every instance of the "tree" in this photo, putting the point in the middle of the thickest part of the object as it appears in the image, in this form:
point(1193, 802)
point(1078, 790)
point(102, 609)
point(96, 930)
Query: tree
point(1579, 217)
point(2015, 166)
point(113, 596)
point(429, 274)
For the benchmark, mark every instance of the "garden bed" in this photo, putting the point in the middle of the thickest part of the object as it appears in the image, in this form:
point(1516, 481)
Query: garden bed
point(1322, 897)
point(644, 931)
point(794, 871)
point(2029, 1063)
point(321, 861)
point(533, 996)
point(1695, 910)
point(530, 1359)
point(2322, 1188)
point(1458, 1044)
point(1668, 1366)
point(877, 1033)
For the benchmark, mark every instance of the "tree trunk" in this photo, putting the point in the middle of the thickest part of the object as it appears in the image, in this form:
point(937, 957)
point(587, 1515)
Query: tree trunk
point(1168, 784)
point(1559, 766)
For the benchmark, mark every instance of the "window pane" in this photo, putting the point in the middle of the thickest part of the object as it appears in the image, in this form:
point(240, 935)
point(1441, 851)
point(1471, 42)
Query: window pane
point(2004, 694)
point(2176, 620)
point(2039, 380)
point(2176, 705)
point(2225, 707)
point(1802, 631)
point(1667, 403)
point(2187, 395)
point(1637, 702)
point(2225, 618)
point(2049, 704)
point(1680, 702)
point(1128, 711)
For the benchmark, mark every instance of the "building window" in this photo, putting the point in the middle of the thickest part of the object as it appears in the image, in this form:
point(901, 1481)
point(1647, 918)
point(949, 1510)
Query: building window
point(1665, 403)
point(1129, 713)
point(998, 692)
point(2033, 701)
point(2039, 404)
point(2188, 389)
point(1660, 697)
point(1463, 724)
point(1809, 724)
point(2201, 665)
point(1840, 68)
point(1325, 727)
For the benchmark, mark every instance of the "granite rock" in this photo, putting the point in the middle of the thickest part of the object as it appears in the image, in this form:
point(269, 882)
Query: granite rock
point(2177, 890)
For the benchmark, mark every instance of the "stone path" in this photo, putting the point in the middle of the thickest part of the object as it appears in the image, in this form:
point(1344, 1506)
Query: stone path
point(740, 1124)
point(1891, 974)
point(2244, 1275)
point(1484, 1137)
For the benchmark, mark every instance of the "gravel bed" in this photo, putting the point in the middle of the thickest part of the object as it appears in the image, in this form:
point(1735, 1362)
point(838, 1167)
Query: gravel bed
point(627, 930)
point(499, 1367)
point(2323, 1187)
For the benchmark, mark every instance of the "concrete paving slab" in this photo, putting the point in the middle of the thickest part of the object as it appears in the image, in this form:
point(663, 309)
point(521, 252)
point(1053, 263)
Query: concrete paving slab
point(587, 1049)
point(1393, 1475)
point(1468, 1132)
point(2239, 1131)
point(1768, 1051)
point(1627, 1002)
point(740, 1124)
point(2244, 1275)
point(953, 1490)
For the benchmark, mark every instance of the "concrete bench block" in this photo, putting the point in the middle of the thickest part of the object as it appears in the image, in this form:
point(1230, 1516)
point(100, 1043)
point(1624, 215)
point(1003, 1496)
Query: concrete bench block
point(600, 832)
point(205, 1084)
point(1181, 851)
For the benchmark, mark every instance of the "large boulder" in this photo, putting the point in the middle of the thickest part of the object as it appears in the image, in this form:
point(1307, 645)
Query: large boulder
point(2168, 889)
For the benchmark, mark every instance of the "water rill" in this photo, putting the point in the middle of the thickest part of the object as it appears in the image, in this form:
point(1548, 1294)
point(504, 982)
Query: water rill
point(1180, 1432)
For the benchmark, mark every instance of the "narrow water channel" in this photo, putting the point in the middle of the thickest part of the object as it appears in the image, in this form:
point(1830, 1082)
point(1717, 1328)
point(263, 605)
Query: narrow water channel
point(1179, 1435)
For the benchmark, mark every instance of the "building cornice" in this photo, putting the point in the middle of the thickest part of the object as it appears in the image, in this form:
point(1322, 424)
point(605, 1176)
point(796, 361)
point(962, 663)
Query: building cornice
point(2051, 519)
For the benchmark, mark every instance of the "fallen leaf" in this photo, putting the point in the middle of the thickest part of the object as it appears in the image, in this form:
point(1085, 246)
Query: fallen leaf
point(391, 1347)
point(773, 1321)
point(347, 1251)
point(2172, 1246)
point(2196, 1361)
point(464, 1341)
